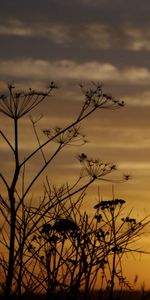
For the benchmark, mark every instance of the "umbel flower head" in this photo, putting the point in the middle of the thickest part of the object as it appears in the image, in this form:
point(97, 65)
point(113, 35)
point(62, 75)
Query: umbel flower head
point(109, 203)
point(66, 137)
point(94, 167)
point(97, 169)
point(16, 104)
point(95, 97)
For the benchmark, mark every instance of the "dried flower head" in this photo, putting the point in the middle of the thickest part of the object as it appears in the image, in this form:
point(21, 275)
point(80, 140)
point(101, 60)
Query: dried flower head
point(66, 136)
point(109, 203)
point(94, 167)
point(95, 97)
point(16, 104)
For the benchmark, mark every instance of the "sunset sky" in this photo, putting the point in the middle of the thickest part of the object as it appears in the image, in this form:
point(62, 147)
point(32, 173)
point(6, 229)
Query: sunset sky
point(70, 42)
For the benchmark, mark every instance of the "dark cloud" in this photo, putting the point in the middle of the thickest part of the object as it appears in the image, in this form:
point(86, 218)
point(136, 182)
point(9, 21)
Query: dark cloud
point(22, 47)
point(77, 11)
point(115, 32)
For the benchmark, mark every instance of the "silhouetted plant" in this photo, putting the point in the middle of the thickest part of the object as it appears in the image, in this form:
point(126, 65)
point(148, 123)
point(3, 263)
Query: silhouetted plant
point(73, 252)
point(119, 236)
point(20, 222)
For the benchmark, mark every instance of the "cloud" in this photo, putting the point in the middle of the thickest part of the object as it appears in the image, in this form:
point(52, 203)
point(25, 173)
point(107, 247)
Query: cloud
point(15, 27)
point(120, 137)
point(74, 11)
point(96, 35)
point(126, 36)
point(71, 70)
point(138, 37)
point(135, 165)
point(142, 99)
point(55, 32)
point(63, 69)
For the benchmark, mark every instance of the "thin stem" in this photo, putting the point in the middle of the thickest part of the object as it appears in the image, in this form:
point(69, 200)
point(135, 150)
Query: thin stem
point(10, 273)
point(7, 141)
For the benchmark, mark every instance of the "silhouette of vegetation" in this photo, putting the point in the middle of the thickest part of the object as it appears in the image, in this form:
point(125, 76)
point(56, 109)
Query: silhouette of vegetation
point(52, 247)
point(73, 252)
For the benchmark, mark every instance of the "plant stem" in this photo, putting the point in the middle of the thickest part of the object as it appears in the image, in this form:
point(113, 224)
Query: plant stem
point(10, 273)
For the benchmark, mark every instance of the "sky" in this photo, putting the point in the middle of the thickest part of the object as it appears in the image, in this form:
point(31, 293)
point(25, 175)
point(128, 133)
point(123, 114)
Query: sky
point(70, 42)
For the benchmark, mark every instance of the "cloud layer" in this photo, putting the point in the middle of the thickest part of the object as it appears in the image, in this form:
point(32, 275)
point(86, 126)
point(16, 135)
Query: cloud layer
point(99, 35)
point(67, 69)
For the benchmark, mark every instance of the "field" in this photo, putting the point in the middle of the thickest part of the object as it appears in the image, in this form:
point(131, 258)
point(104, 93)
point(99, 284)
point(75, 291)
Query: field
point(126, 295)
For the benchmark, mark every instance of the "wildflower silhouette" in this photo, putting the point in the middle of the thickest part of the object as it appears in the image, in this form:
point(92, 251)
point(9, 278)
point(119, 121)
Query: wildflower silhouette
point(65, 225)
point(33, 237)
point(16, 104)
point(88, 251)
